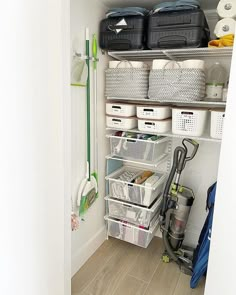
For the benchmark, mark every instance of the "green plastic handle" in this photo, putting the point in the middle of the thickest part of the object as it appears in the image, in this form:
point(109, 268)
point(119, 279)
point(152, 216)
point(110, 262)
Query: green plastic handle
point(95, 51)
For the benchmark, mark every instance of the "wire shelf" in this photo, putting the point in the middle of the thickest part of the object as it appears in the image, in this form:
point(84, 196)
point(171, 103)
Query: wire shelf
point(202, 103)
point(174, 54)
point(204, 137)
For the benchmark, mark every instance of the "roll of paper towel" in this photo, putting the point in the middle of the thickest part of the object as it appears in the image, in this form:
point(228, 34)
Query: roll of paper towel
point(227, 8)
point(224, 27)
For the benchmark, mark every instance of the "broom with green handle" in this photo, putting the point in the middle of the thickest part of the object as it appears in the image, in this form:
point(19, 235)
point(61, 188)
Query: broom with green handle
point(94, 53)
point(88, 189)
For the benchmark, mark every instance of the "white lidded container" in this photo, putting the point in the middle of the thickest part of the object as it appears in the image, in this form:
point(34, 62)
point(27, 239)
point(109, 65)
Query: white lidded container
point(121, 122)
point(153, 112)
point(158, 126)
point(120, 109)
point(131, 233)
point(132, 213)
point(190, 122)
point(121, 186)
point(217, 123)
point(149, 150)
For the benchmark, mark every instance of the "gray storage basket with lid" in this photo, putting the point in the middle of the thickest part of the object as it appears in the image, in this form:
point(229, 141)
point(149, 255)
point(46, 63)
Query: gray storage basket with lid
point(177, 84)
point(127, 82)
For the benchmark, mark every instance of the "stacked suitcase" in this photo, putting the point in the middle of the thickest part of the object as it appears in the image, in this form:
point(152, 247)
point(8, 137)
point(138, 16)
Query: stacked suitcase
point(178, 29)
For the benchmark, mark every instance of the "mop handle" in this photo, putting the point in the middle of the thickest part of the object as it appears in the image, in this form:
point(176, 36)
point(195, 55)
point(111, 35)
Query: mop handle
point(88, 102)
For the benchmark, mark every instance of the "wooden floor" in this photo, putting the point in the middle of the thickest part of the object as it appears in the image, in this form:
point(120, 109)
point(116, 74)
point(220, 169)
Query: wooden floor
point(119, 268)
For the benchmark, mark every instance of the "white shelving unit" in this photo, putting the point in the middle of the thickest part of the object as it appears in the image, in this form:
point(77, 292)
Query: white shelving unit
point(209, 55)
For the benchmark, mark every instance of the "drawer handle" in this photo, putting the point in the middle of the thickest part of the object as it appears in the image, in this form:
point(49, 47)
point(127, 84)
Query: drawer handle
point(116, 107)
point(127, 206)
point(186, 113)
point(149, 123)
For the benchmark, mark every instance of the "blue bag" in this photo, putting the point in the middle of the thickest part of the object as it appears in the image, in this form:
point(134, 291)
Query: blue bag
point(201, 254)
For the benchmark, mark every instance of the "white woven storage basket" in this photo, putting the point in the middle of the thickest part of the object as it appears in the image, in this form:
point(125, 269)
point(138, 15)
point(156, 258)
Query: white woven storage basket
point(177, 84)
point(127, 82)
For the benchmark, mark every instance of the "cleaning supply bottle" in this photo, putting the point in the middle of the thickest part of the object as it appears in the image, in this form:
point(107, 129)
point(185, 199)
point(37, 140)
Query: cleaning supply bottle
point(216, 77)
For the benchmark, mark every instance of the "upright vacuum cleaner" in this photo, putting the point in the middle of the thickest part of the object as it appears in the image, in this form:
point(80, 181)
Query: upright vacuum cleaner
point(176, 206)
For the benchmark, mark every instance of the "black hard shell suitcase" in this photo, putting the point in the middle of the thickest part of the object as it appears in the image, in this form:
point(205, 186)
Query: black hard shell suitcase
point(131, 37)
point(179, 29)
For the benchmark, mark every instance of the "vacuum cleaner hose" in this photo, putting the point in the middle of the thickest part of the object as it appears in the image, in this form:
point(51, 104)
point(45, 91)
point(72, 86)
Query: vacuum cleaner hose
point(177, 154)
point(168, 247)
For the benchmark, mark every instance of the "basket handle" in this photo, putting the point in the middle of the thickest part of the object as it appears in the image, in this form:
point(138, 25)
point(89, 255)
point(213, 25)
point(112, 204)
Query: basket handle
point(179, 76)
point(129, 62)
point(124, 61)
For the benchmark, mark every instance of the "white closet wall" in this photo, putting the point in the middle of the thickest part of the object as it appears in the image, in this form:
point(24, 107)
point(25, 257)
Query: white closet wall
point(91, 233)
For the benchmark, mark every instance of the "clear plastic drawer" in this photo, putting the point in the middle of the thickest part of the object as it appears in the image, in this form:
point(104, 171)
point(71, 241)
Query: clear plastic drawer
point(122, 187)
point(150, 150)
point(132, 213)
point(131, 233)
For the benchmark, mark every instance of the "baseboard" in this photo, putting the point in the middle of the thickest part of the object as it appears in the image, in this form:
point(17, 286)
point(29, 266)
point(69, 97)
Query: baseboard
point(84, 253)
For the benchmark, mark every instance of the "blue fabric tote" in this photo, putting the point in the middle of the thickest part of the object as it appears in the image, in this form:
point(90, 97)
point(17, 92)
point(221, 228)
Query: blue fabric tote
point(201, 254)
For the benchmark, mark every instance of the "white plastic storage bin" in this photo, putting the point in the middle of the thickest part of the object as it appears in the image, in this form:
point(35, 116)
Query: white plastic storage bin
point(131, 233)
point(120, 109)
point(190, 122)
point(122, 187)
point(152, 149)
point(133, 213)
point(121, 122)
point(158, 126)
point(153, 112)
point(217, 123)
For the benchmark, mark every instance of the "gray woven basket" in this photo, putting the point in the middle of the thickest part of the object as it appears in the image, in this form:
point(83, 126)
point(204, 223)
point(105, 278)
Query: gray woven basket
point(127, 83)
point(177, 84)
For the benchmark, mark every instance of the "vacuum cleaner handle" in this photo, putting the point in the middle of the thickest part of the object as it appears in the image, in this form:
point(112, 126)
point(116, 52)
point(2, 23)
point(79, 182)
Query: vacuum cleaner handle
point(195, 148)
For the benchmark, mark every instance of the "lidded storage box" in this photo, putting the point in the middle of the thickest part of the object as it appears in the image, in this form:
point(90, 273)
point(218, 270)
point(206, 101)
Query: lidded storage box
point(153, 112)
point(121, 122)
point(217, 123)
point(158, 126)
point(120, 109)
point(130, 147)
point(191, 122)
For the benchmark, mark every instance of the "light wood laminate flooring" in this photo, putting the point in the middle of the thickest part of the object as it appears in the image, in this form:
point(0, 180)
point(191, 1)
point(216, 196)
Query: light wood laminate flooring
point(120, 268)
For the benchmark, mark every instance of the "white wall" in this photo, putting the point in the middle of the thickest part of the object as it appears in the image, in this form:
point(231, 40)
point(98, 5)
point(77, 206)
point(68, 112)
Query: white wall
point(221, 268)
point(91, 233)
point(33, 91)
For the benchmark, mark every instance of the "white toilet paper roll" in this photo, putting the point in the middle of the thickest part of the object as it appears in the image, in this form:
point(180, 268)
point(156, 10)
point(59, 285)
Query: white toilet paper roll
point(126, 64)
point(224, 27)
point(227, 8)
point(194, 64)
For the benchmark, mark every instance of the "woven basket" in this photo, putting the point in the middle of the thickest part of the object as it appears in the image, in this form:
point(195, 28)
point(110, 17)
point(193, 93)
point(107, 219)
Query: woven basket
point(127, 83)
point(177, 85)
